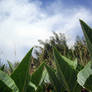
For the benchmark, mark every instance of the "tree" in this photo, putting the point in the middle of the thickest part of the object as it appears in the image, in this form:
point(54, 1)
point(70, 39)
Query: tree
point(57, 40)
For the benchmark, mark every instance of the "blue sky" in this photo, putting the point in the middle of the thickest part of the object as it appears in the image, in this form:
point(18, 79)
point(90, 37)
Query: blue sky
point(69, 3)
point(24, 22)
point(76, 3)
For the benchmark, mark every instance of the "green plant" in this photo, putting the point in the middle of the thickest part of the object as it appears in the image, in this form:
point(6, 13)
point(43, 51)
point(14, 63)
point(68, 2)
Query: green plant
point(2, 68)
point(65, 77)
point(85, 75)
point(20, 79)
point(68, 75)
point(65, 73)
point(10, 66)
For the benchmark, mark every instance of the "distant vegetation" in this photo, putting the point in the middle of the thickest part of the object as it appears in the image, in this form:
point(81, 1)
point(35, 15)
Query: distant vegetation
point(78, 51)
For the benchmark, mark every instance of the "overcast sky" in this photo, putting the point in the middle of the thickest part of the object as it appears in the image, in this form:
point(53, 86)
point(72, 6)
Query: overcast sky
point(24, 22)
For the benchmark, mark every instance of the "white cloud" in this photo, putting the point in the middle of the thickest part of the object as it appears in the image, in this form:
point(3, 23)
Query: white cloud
point(22, 24)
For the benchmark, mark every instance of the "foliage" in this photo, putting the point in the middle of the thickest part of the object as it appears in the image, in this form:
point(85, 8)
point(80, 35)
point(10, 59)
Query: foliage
point(8, 81)
point(10, 66)
point(57, 40)
point(67, 75)
point(79, 50)
point(85, 75)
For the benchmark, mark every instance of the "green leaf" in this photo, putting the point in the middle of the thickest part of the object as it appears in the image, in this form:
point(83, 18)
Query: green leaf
point(30, 88)
point(10, 66)
point(53, 78)
point(84, 77)
point(8, 81)
point(40, 89)
point(21, 74)
point(37, 75)
point(2, 68)
point(77, 88)
point(88, 35)
point(73, 64)
point(79, 67)
point(33, 85)
point(45, 77)
point(4, 88)
point(66, 74)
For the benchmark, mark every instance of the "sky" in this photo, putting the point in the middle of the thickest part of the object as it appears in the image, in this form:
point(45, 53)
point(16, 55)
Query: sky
point(24, 22)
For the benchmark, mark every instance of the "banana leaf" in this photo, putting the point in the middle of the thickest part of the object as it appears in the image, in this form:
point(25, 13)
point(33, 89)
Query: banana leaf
point(88, 35)
point(84, 77)
point(7, 84)
point(66, 74)
point(21, 75)
point(37, 75)
point(53, 79)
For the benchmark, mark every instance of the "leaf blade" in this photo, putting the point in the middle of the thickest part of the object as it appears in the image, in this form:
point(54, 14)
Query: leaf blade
point(21, 74)
point(53, 78)
point(8, 81)
point(84, 77)
point(88, 35)
point(62, 66)
point(37, 75)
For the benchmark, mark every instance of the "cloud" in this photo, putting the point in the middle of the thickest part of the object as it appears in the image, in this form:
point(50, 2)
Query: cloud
point(23, 23)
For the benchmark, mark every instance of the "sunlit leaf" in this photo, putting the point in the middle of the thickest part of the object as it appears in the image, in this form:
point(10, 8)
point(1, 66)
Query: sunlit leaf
point(84, 77)
point(8, 81)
